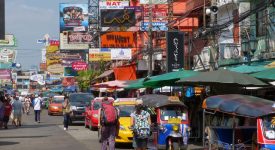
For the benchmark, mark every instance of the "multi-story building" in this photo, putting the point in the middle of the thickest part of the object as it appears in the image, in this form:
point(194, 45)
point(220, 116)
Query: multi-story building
point(23, 81)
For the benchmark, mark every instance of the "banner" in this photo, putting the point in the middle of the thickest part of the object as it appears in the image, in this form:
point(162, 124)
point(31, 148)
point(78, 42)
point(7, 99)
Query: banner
point(69, 71)
point(73, 15)
point(153, 1)
point(118, 17)
point(113, 4)
point(80, 37)
point(8, 41)
point(121, 54)
point(79, 66)
point(96, 54)
point(5, 74)
point(7, 54)
point(156, 26)
point(118, 40)
point(175, 50)
point(125, 72)
point(64, 43)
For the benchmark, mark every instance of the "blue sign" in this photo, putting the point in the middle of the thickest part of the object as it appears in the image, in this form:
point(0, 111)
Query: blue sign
point(156, 26)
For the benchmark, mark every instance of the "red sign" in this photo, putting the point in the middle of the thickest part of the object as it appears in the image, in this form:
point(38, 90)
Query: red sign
point(54, 42)
point(68, 81)
point(79, 65)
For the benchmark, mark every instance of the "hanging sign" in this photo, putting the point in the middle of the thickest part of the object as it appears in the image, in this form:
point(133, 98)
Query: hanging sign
point(113, 4)
point(78, 65)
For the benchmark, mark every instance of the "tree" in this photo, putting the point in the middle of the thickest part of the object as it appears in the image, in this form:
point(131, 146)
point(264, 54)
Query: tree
point(84, 79)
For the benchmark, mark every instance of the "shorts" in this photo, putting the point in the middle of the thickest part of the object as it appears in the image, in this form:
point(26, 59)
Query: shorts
point(139, 143)
point(6, 118)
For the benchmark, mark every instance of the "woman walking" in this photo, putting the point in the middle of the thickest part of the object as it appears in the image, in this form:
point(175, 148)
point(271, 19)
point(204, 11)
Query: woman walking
point(28, 104)
point(8, 109)
point(66, 112)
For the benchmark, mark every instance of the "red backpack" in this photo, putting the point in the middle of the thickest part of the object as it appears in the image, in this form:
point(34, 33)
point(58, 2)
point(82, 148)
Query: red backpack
point(108, 113)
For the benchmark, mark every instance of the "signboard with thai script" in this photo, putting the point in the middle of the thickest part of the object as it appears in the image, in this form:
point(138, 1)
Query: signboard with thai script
point(153, 1)
point(118, 40)
point(113, 4)
point(118, 17)
point(8, 41)
point(78, 66)
point(121, 54)
point(73, 15)
point(156, 26)
point(64, 44)
point(156, 12)
point(79, 37)
point(7, 54)
point(175, 51)
point(96, 54)
point(5, 74)
point(55, 69)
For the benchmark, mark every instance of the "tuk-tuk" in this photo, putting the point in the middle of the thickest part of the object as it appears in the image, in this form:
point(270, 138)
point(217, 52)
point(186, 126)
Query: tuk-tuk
point(170, 121)
point(238, 122)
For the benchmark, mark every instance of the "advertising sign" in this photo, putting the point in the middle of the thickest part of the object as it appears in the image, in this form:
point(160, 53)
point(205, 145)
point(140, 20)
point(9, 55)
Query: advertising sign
point(5, 74)
point(55, 69)
point(52, 49)
point(156, 26)
point(78, 65)
point(118, 40)
point(43, 67)
point(64, 45)
point(113, 4)
point(7, 54)
point(157, 12)
point(118, 17)
point(43, 55)
point(73, 15)
point(175, 50)
point(153, 1)
point(96, 54)
point(68, 81)
point(121, 54)
point(69, 71)
point(54, 42)
point(9, 40)
point(79, 37)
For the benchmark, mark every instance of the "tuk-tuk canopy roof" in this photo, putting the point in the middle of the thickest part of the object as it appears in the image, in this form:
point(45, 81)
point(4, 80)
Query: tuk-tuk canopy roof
point(156, 100)
point(240, 105)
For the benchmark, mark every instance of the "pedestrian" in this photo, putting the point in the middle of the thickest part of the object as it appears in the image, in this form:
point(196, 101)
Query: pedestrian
point(107, 124)
point(140, 122)
point(8, 110)
point(22, 100)
point(27, 104)
point(66, 112)
point(2, 111)
point(37, 108)
point(16, 111)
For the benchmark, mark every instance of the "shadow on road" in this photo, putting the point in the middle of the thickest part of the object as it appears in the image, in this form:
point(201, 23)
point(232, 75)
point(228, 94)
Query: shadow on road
point(124, 146)
point(17, 137)
point(40, 125)
point(2, 143)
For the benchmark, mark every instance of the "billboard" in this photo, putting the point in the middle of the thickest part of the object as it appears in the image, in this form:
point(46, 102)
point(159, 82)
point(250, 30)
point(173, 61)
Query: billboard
point(5, 74)
point(73, 16)
point(121, 54)
point(80, 37)
point(175, 50)
point(156, 26)
point(79, 65)
point(96, 54)
point(55, 69)
point(69, 58)
point(7, 54)
point(118, 17)
point(64, 43)
point(118, 40)
point(69, 71)
point(113, 4)
point(153, 1)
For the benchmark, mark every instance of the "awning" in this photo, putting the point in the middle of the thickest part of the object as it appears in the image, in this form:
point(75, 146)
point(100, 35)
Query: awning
point(268, 74)
point(105, 74)
point(247, 69)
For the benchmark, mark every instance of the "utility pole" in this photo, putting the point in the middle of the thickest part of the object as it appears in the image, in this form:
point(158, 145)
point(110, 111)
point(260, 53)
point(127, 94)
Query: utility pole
point(150, 40)
point(204, 17)
point(2, 19)
point(170, 14)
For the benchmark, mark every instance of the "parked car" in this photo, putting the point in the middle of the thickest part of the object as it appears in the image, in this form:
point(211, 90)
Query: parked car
point(126, 106)
point(92, 111)
point(55, 107)
point(79, 101)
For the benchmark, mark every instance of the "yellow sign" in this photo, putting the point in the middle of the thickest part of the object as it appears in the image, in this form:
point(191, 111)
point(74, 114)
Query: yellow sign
point(98, 55)
point(56, 68)
point(174, 121)
point(173, 98)
point(52, 49)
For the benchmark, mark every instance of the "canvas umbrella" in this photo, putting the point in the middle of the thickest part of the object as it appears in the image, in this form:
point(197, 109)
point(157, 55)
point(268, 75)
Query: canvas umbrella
point(222, 76)
point(266, 74)
point(169, 79)
point(112, 84)
point(135, 84)
point(247, 69)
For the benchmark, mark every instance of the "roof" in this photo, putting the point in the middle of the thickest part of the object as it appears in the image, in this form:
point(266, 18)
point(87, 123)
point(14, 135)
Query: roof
point(105, 74)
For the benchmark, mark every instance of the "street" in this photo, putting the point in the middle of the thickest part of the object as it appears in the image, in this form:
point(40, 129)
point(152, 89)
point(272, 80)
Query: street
point(49, 134)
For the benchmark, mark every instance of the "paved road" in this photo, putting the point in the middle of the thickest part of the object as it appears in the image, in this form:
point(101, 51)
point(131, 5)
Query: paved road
point(49, 134)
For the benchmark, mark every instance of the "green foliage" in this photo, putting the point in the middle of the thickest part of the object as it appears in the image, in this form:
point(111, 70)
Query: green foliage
point(85, 77)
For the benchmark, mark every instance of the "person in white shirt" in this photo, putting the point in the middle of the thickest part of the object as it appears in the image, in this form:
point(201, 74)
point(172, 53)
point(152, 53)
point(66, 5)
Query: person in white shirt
point(37, 108)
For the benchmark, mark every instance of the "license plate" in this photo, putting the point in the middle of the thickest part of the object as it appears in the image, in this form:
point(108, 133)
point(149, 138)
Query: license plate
point(174, 121)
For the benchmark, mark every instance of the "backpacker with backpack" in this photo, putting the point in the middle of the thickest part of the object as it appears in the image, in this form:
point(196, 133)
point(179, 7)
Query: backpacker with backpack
point(141, 126)
point(109, 115)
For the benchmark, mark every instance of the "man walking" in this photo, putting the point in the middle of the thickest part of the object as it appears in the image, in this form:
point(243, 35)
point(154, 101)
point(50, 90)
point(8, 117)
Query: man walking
point(37, 108)
point(17, 111)
point(108, 116)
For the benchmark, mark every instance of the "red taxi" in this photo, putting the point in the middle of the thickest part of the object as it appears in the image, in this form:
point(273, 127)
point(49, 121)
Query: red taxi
point(91, 113)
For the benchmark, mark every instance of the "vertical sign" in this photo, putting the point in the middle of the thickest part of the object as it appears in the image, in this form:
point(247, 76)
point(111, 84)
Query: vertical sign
point(175, 51)
point(2, 19)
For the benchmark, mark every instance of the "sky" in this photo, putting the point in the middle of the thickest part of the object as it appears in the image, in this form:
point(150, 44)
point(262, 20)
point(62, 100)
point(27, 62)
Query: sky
point(30, 20)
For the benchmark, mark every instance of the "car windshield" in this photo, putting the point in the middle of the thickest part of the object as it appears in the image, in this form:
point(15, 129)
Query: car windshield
point(172, 112)
point(125, 110)
point(269, 127)
point(97, 105)
point(81, 98)
point(58, 100)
